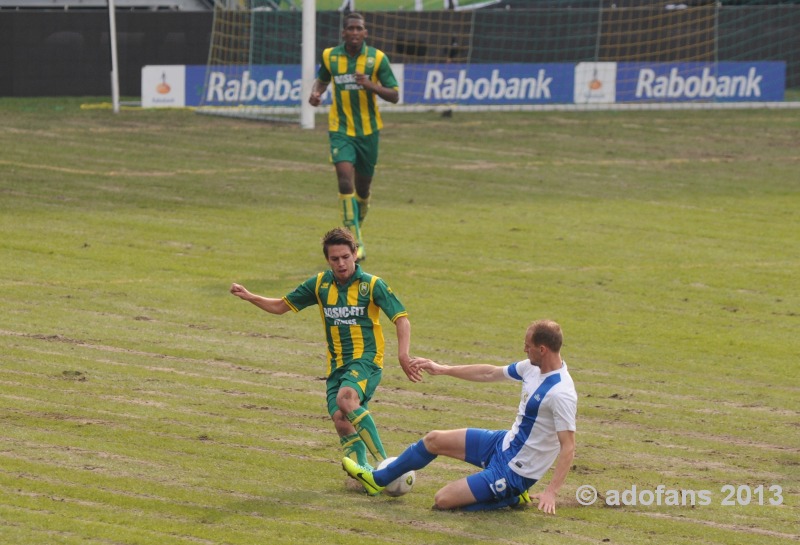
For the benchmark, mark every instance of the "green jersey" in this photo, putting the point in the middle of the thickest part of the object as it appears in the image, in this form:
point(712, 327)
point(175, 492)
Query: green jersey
point(349, 314)
point(355, 110)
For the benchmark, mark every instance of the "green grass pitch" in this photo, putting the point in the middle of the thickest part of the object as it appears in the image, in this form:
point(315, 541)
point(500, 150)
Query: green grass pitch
point(141, 403)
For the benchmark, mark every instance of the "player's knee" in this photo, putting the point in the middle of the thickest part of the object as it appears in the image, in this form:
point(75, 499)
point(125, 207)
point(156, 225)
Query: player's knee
point(348, 401)
point(433, 441)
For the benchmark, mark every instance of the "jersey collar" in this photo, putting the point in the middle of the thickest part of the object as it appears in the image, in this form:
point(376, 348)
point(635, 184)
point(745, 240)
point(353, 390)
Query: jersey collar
point(360, 52)
point(356, 277)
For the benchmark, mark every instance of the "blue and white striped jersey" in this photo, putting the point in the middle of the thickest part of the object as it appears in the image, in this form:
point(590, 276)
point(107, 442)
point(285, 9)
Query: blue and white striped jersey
point(548, 405)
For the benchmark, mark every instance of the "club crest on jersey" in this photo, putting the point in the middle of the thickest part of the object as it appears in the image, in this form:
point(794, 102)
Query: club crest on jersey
point(363, 288)
point(370, 62)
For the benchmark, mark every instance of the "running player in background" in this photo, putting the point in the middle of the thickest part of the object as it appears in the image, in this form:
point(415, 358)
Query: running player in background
point(360, 74)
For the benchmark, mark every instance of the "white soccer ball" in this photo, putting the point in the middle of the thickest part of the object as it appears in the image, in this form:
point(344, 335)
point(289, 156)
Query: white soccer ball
point(402, 484)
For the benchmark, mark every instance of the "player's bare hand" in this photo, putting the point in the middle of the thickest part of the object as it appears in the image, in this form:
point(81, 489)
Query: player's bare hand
point(547, 502)
point(315, 99)
point(363, 80)
point(239, 291)
point(430, 366)
point(413, 374)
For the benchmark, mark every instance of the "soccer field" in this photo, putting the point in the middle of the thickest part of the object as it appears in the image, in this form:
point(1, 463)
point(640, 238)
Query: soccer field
point(141, 403)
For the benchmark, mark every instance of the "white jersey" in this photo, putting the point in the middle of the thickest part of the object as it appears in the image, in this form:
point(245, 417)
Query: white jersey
point(548, 405)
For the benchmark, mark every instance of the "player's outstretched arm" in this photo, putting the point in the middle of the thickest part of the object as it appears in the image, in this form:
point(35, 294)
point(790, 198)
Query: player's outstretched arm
point(547, 499)
point(474, 373)
point(403, 326)
point(271, 305)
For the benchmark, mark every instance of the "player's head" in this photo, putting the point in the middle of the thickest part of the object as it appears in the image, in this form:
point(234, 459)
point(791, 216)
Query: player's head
point(354, 30)
point(353, 17)
point(336, 237)
point(545, 333)
point(340, 248)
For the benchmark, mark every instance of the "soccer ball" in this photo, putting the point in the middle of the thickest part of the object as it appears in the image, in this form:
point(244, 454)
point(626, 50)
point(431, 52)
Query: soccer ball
point(402, 484)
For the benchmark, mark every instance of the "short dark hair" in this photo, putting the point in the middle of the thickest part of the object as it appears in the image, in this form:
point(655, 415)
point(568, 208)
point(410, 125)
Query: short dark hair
point(338, 236)
point(547, 333)
point(352, 15)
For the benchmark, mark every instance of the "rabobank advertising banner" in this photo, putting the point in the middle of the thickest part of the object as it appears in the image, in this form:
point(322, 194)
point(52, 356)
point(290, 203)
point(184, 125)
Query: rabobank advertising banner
point(482, 84)
point(259, 85)
point(488, 84)
point(697, 81)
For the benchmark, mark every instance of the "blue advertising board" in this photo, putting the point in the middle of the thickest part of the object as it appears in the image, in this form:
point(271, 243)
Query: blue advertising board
point(495, 84)
point(700, 81)
point(483, 84)
point(279, 85)
point(259, 85)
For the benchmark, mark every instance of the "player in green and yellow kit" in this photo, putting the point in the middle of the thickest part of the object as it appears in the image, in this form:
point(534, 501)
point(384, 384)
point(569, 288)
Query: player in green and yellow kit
point(350, 302)
point(360, 74)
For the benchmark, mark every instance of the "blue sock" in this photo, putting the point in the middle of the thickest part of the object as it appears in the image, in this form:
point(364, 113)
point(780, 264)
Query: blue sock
point(414, 457)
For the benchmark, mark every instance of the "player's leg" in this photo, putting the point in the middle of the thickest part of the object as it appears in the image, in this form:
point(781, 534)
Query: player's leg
point(366, 153)
point(366, 149)
point(470, 494)
point(364, 424)
point(352, 400)
point(343, 155)
point(454, 495)
point(363, 184)
point(416, 456)
point(471, 445)
point(450, 443)
point(354, 448)
point(494, 487)
point(349, 204)
point(345, 174)
point(351, 443)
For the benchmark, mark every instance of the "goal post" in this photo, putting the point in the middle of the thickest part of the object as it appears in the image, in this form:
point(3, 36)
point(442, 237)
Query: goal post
point(513, 55)
point(308, 64)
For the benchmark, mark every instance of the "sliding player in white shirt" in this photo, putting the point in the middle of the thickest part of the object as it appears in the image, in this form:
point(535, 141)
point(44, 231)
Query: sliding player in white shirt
point(512, 461)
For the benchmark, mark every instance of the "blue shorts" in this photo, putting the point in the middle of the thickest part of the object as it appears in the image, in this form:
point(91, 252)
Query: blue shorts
point(497, 481)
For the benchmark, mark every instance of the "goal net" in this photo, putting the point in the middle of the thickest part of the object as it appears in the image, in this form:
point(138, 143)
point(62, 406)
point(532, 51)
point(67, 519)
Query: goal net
point(518, 55)
point(253, 61)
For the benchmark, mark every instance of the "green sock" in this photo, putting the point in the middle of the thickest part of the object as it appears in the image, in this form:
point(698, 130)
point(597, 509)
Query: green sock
point(365, 426)
point(350, 213)
point(363, 208)
point(355, 449)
